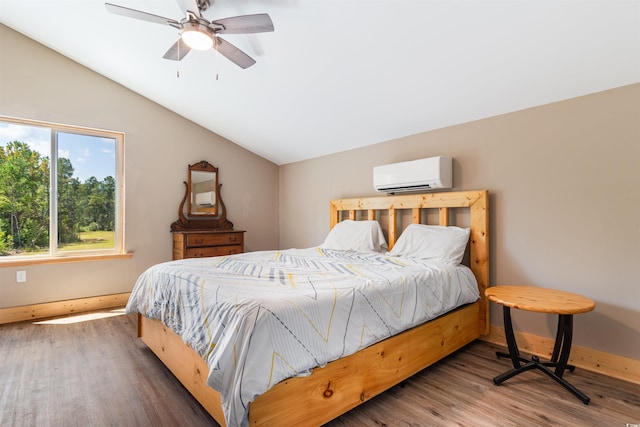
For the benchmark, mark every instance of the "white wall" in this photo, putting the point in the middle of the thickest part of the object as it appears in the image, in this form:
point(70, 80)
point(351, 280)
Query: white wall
point(564, 182)
point(37, 83)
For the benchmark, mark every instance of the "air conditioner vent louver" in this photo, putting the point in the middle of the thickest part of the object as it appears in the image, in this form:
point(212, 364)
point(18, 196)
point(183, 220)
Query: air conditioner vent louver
point(404, 189)
point(416, 175)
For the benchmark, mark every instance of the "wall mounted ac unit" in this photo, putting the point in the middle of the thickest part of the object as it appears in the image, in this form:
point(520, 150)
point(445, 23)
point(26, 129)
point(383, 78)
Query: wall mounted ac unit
point(415, 175)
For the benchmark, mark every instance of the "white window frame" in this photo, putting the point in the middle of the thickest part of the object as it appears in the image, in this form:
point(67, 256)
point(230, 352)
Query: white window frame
point(54, 254)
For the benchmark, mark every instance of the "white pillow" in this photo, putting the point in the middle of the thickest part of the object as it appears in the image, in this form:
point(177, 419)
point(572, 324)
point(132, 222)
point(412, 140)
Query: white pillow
point(446, 244)
point(362, 236)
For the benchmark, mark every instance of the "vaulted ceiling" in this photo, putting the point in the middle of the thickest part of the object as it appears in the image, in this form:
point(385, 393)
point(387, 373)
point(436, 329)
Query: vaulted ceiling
point(336, 75)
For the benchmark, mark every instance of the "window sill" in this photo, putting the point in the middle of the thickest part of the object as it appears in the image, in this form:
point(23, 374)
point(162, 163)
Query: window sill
point(14, 262)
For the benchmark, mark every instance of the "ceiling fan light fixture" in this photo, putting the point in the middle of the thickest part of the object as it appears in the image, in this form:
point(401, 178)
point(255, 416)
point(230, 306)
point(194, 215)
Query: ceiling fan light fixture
point(197, 36)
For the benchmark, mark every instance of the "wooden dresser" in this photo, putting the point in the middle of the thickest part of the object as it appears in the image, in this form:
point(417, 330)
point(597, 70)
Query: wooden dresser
point(205, 243)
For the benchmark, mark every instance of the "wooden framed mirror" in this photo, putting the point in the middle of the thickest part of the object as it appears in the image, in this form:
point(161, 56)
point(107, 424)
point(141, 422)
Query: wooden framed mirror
point(204, 206)
point(203, 190)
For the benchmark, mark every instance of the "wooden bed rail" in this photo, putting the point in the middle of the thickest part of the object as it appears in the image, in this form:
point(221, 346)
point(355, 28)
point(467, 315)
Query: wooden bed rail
point(477, 203)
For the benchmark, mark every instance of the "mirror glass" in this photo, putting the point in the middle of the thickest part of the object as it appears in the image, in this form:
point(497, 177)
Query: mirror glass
point(203, 190)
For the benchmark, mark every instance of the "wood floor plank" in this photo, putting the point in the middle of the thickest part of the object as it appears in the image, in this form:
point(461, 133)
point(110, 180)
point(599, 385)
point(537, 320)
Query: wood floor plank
point(98, 373)
point(92, 373)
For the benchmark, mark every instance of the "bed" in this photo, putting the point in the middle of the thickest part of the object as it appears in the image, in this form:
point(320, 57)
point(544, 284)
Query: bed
point(371, 358)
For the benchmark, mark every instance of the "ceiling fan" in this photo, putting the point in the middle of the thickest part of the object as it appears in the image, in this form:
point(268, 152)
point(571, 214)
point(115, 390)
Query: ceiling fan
point(200, 34)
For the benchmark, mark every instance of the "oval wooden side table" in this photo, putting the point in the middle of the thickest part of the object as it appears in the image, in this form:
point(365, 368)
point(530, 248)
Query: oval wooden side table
point(541, 300)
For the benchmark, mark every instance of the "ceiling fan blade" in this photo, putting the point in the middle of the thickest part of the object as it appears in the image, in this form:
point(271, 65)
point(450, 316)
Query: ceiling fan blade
point(137, 14)
point(233, 54)
point(178, 51)
point(189, 6)
point(245, 24)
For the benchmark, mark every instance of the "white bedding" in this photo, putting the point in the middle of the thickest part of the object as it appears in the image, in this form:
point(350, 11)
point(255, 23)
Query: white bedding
point(261, 317)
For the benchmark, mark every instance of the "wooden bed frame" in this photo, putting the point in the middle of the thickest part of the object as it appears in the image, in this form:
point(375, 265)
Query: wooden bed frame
point(346, 383)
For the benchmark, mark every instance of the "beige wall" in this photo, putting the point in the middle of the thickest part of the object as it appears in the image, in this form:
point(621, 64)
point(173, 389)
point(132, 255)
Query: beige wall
point(565, 199)
point(37, 83)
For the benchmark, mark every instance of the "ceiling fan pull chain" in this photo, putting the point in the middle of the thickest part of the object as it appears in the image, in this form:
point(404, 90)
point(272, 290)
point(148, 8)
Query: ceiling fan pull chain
point(215, 63)
point(178, 64)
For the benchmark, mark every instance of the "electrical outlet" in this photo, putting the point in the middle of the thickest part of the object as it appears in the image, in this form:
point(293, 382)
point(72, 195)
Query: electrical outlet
point(21, 276)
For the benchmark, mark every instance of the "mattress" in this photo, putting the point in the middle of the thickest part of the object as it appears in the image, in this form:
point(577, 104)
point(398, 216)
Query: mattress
point(261, 317)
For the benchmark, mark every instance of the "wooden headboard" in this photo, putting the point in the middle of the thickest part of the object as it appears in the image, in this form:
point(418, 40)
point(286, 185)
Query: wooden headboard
point(446, 204)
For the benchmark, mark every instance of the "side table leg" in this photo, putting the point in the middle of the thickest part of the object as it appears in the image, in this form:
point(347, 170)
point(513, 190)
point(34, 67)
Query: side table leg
point(560, 356)
point(558, 342)
point(564, 325)
point(514, 353)
point(563, 343)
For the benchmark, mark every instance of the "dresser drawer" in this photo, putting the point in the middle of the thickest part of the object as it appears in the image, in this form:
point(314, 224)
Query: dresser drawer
point(213, 239)
point(198, 244)
point(213, 251)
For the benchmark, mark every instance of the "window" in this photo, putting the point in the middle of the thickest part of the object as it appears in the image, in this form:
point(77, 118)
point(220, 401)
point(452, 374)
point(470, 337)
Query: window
point(60, 190)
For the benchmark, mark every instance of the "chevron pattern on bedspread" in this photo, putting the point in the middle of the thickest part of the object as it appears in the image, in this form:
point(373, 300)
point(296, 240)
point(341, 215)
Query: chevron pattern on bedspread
point(261, 317)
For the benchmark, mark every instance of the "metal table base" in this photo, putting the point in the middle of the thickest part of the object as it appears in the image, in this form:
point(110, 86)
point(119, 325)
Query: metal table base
point(559, 357)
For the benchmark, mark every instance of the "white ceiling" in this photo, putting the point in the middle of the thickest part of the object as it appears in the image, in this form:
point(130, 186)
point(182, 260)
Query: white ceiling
point(337, 75)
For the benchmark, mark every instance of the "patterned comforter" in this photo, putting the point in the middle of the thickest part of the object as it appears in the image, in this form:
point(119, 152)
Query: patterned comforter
point(261, 317)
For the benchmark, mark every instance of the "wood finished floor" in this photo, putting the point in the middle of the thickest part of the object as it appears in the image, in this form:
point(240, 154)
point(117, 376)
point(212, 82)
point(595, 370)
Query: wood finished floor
point(97, 373)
